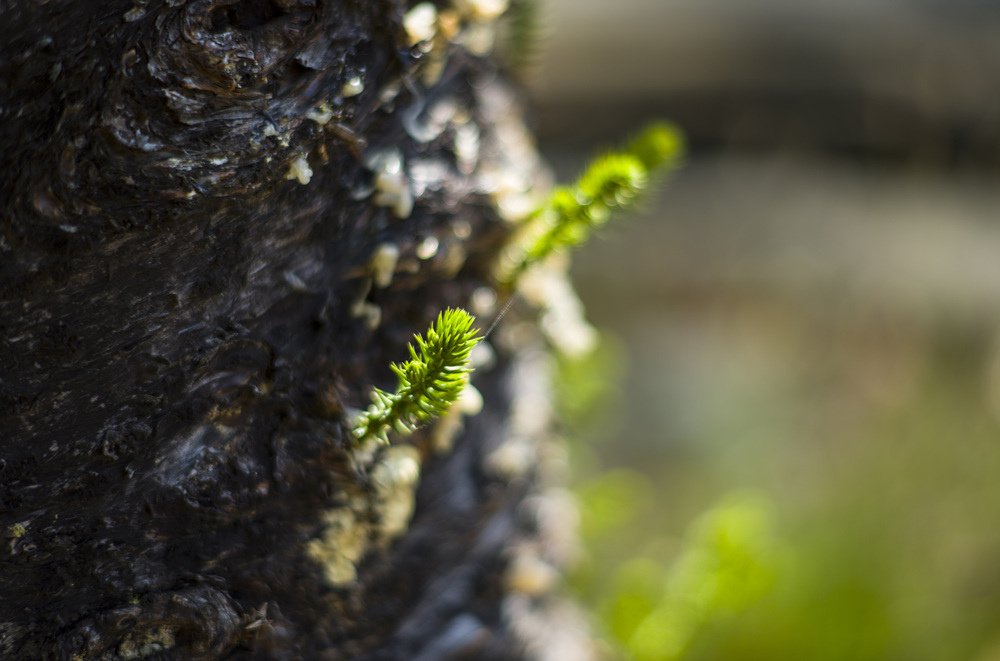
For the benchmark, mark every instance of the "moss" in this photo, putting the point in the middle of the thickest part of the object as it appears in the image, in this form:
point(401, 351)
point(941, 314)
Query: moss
point(428, 383)
point(612, 182)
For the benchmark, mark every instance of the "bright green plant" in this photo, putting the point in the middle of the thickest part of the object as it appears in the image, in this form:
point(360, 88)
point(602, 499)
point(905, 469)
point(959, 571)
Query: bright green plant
point(727, 563)
point(614, 181)
point(434, 377)
point(428, 383)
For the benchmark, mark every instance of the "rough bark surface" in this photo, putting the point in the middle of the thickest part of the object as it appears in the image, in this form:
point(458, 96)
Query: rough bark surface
point(187, 318)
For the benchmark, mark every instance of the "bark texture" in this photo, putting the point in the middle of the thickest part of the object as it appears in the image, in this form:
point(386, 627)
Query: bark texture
point(191, 195)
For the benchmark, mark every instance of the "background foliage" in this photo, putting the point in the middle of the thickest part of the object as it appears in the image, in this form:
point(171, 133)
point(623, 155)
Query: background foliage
point(787, 445)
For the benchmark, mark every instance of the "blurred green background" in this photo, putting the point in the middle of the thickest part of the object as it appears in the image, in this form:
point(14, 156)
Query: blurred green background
point(788, 445)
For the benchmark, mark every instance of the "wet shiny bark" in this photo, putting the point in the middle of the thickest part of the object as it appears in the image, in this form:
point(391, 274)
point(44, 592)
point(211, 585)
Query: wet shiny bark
point(187, 320)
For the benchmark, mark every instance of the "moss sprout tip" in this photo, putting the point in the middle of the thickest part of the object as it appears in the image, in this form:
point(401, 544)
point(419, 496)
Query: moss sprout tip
point(613, 181)
point(428, 383)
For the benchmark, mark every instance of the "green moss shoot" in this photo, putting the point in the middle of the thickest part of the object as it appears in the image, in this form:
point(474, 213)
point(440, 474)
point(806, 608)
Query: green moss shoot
point(612, 182)
point(428, 383)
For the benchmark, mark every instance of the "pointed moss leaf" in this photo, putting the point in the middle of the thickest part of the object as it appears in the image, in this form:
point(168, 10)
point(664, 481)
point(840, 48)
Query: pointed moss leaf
point(613, 181)
point(428, 383)
point(659, 144)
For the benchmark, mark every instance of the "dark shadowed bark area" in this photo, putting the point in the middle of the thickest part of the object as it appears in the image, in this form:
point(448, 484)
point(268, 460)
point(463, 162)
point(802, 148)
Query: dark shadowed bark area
point(191, 196)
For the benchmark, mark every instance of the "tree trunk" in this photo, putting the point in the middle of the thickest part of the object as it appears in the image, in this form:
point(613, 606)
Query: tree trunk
point(192, 195)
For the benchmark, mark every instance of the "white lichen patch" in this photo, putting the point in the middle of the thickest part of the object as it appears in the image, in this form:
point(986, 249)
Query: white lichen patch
point(557, 518)
point(466, 146)
point(479, 24)
point(420, 23)
point(515, 177)
point(513, 459)
point(530, 416)
point(427, 248)
point(532, 409)
point(299, 169)
point(482, 10)
point(272, 130)
point(562, 314)
point(321, 114)
point(479, 18)
point(429, 174)
point(470, 402)
point(383, 264)
point(371, 521)
point(353, 87)
point(438, 117)
point(398, 467)
point(550, 629)
point(478, 38)
point(471, 24)
point(395, 477)
point(529, 574)
point(392, 187)
point(446, 430)
point(345, 540)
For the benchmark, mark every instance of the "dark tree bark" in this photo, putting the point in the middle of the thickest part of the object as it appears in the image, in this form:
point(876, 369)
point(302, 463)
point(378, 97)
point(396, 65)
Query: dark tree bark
point(192, 194)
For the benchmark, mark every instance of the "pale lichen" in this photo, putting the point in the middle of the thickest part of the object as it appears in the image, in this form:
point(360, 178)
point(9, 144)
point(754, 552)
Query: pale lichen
point(321, 114)
point(392, 187)
point(395, 478)
point(562, 314)
point(466, 146)
point(383, 264)
point(529, 574)
point(368, 521)
point(470, 403)
point(353, 87)
point(427, 248)
point(299, 169)
point(531, 408)
point(343, 543)
point(420, 23)
point(482, 10)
